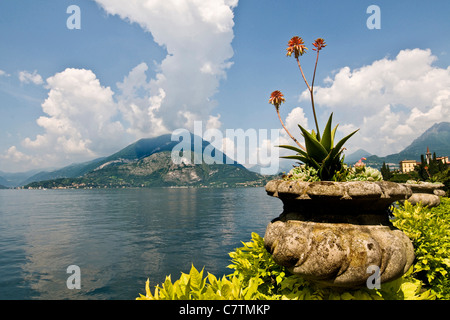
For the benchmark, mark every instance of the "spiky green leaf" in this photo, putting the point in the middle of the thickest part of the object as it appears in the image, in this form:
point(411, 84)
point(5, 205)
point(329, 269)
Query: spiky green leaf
point(327, 139)
point(314, 148)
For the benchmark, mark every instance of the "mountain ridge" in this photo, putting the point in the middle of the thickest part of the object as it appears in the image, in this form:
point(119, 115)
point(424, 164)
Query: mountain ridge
point(148, 163)
point(437, 138)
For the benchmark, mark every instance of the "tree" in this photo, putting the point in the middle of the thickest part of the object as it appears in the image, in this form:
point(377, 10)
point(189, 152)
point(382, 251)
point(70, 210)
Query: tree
point(386, 172)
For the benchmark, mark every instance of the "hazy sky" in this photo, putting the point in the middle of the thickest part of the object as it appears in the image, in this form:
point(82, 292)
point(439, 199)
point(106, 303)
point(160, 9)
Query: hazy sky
point(141, 68)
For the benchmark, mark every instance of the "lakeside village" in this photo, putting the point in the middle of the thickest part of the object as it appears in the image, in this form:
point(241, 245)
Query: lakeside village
point(426, 170)
point(83, 185)
point(423, 170)
point(409, 165)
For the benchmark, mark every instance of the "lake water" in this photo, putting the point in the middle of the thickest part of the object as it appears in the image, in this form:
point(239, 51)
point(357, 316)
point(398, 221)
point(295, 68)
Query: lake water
point(121, 237)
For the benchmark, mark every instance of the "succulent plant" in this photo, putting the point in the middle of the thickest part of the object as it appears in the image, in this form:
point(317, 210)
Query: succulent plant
point(302, 173)
point(321, 152)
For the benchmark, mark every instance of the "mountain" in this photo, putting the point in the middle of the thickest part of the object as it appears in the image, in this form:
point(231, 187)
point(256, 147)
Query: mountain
point(12, 180)
point(148, 163)
point(3, 182)
point(356, 156)
point(436, 138)
point(135, 151)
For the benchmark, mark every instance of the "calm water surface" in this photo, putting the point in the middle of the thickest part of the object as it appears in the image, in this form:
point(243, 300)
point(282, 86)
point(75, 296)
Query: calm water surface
point(121, 237)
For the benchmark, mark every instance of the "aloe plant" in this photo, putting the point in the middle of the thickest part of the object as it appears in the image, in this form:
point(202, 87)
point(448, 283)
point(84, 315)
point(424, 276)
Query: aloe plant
point(321, 152)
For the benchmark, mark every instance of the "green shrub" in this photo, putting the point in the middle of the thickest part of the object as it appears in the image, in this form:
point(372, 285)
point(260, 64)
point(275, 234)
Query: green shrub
point(257, 277)
point(429, 230)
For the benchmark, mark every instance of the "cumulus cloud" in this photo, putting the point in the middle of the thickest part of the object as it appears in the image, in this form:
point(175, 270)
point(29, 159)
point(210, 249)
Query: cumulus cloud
point(14, 155)
point(3, 73)
point(392, 101)
point(84, 119)
point(138, 106)
point(27, 77)
point(197, 35)
point(79, 121)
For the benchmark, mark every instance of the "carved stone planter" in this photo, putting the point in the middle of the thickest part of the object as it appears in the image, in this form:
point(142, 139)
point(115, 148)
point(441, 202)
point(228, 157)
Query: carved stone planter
point(335, 233)
point(426, 193)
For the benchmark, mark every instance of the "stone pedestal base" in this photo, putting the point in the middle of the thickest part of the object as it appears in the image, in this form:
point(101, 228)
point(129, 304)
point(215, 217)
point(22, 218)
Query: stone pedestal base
point(426, 193)
point(338, 233)
point(342, 255)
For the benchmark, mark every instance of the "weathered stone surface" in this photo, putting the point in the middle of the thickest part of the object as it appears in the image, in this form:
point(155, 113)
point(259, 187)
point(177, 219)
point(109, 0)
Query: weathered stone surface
point(339, 254)
point(426, 193)
point(424, 187)
point(332, 232)
point(426, 199)
point(342, 190)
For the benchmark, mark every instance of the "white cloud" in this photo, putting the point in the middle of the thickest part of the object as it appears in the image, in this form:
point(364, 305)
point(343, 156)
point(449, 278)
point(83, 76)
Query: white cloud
point(83, 119)
point(139, 108)
point(79, 122)
point(392, 101)
point(12, 154)
point(296, 117)
point(197, 35)
point(3, 73)
point(27, 77)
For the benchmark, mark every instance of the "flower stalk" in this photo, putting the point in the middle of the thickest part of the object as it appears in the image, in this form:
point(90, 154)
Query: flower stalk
point(320, 152)
point(277, 98)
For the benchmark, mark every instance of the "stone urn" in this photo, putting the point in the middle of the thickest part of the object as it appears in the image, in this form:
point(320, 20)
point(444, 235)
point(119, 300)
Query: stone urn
point(426, 193)
point(338, 233)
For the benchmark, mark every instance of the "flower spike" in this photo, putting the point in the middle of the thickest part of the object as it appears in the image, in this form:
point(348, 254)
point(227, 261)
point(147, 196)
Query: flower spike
point(319, 44)
point(276, 98)
point(296, 46)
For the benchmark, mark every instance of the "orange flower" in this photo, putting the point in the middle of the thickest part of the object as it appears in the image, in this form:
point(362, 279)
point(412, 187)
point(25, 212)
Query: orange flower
point(296, 46)
point(319, 44)
point(276, 98)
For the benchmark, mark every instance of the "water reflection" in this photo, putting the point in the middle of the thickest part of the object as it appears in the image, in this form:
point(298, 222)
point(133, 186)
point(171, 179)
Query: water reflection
point(119, 238)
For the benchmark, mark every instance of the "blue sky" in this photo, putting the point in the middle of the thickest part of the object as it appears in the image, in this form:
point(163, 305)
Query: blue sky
point(138, 69)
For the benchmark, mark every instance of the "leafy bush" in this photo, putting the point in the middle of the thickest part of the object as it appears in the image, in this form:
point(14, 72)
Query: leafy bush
point(346, 173)
point(444, 177)
point(302, 173)
point(194, 286)
point(258, 277)
point(429, 230)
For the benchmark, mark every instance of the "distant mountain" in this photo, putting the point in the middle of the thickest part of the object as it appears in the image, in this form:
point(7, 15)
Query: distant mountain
point(148, 163)
point(3, 181)
point(135, 151)
point(436, 138)
point(356, 156)
point(12, 180)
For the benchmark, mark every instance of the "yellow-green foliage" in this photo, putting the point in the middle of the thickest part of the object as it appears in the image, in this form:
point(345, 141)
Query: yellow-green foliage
point(429, 230)
point(194, 286)
point(258, 277)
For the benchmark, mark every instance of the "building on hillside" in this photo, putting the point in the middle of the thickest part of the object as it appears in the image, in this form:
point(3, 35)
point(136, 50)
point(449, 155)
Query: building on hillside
point(407, 165)
point(428, 157)
point(444, 160)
